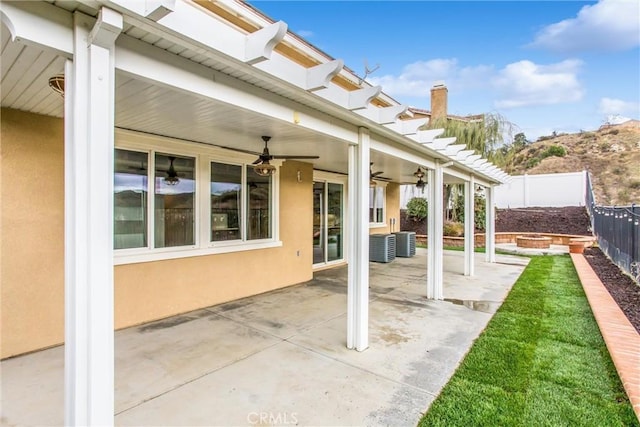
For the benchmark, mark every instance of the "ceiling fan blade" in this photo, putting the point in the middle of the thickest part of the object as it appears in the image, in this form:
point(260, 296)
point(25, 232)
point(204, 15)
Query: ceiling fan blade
point(376, 173)
point(257, 161)
point(294, 157)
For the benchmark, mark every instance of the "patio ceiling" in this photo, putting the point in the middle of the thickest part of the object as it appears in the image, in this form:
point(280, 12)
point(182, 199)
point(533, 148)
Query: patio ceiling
point(145, 107)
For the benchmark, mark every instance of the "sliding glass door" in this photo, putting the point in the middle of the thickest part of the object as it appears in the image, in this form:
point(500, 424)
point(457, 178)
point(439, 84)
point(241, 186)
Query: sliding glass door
point(328, 220)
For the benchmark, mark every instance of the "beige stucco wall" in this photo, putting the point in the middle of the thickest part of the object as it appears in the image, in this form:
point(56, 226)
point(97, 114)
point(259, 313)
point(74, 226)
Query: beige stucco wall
point(32, 233)
point(392, 210)
point(32, 247)
point(159, 289)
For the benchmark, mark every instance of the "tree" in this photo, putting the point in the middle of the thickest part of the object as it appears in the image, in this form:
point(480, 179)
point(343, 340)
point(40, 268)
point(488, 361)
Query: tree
point(485, 134)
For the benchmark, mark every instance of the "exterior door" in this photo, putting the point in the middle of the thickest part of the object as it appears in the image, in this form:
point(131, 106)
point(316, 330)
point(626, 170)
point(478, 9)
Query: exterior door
point(328, 220)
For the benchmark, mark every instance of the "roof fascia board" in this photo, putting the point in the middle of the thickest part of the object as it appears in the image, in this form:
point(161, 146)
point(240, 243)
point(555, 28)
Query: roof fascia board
point(150, 63)
point(39, 24)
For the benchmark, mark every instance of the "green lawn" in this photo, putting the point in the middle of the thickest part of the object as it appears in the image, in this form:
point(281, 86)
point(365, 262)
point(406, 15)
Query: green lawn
point(540, 362)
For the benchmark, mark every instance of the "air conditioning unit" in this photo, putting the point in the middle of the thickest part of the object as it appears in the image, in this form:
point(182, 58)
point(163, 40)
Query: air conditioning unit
point(405, 243)
point(382, 247)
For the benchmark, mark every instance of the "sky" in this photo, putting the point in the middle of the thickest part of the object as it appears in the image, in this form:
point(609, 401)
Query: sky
point(544, 66)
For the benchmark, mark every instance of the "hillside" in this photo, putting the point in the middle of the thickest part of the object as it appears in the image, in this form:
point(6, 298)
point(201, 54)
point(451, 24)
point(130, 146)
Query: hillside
point(611, 154)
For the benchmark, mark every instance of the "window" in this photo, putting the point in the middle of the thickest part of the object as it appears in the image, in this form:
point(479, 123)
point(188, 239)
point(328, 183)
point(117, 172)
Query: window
point(174, 202)
point(173, 199)
point(226, 202)
point(258, 205)
point(377, 204)
point(130, 199)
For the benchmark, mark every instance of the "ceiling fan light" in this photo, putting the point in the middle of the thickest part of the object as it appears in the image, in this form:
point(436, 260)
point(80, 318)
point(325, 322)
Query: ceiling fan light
point(264, 169)
point(419, 173)
point(171, 180)
point(57, 84)
point(372, 184)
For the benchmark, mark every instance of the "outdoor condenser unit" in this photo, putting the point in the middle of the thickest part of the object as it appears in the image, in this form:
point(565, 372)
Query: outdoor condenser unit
point(382, 247)
point(405, 243)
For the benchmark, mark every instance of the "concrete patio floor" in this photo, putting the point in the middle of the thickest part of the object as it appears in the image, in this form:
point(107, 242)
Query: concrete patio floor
point(280, 358)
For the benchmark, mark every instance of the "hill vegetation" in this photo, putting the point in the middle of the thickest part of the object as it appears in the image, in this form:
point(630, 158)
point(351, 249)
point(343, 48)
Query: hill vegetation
point(611, 154)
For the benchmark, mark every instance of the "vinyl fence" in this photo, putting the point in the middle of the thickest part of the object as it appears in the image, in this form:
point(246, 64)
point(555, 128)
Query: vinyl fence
point(548, 190)
point(618, 231)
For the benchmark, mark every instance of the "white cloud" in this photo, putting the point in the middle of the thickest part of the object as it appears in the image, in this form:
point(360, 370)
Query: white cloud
point(525, 83)
point(416, 79)
point(613, 107)
point(609, 25)
point(305, 34)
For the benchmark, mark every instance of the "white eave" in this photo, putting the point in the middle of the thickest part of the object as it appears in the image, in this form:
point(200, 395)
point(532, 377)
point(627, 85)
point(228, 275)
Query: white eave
point(176, 32)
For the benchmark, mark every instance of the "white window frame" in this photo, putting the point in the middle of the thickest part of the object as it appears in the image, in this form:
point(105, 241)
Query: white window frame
point(383, 223)
point(204, 155)
point(335, 178)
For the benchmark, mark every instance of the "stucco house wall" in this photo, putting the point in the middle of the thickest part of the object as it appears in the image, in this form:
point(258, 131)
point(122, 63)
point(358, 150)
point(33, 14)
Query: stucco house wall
point(32, 268)
point(32, 236)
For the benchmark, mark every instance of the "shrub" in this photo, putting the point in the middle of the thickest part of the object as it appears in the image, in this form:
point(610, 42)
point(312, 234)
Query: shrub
point(417, 208)
point(635, 184)
point(453, 229)
point(554, 150)
point(534, 161)
point(479, 205)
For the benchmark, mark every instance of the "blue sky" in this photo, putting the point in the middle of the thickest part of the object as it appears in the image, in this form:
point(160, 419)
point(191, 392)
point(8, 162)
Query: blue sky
point(545, 66)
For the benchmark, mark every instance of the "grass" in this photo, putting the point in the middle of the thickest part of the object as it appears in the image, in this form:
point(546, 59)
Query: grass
point(541, 361)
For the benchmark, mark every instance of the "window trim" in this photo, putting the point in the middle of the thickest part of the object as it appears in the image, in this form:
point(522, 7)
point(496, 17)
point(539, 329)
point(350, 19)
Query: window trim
point(204, 155)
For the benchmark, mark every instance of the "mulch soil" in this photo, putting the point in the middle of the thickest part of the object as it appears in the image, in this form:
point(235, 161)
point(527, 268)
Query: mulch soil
point(624, 290)
point(566, 220)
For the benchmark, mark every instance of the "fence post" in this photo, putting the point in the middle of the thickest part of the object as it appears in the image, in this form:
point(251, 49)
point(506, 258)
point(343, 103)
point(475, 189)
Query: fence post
point(634, 256)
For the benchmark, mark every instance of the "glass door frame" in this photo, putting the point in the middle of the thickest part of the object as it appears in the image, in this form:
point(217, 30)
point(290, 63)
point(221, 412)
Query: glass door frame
point(327, 178)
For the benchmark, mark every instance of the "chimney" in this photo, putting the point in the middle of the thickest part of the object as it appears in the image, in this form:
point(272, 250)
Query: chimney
point(438, 100)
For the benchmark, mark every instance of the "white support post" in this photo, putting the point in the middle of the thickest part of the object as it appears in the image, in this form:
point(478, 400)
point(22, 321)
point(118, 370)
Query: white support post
point(469, 226)
point(358, 269)
point(89, 130)
point(490, 227)
point(434, 233)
